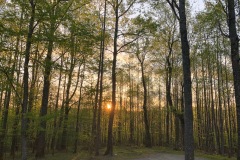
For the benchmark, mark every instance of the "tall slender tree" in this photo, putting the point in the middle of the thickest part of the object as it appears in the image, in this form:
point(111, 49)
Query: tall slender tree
point(25, 79)
point(117, 7)
point(101, 67)
point(179, 11)
point(141, 58)
point(46, 84)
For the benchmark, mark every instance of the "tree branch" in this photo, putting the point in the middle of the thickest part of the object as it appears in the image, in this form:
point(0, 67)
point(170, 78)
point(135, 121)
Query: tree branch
point(127, 9)
point(174, 5)
point(220, 28)
point(125, 44)
point(11, 83)
point(111, 4)
point(224, 8)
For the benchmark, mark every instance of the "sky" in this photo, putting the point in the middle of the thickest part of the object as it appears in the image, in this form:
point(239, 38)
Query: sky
point(196, 5)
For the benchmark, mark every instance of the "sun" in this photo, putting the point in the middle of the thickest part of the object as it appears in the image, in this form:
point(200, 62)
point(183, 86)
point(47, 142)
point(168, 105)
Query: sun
point(109, 106)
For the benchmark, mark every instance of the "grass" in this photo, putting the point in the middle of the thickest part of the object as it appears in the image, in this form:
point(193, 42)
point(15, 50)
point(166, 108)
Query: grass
point(124, 153)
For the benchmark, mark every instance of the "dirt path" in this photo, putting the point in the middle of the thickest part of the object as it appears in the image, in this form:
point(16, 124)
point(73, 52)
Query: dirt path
point(165, 156)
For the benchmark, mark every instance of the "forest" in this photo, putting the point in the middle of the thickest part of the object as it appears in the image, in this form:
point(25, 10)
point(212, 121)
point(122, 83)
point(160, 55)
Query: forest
point(95, 74)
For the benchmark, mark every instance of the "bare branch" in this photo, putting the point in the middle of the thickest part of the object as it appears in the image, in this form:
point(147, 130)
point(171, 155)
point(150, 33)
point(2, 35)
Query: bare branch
point(125, 44)
point(111, 4)
point(120, 2)
point(78, 76)
point(127, 9)
point(224, 8)
point(174, 6)
point(109, 50)
point(127, 34)
point(126, 51)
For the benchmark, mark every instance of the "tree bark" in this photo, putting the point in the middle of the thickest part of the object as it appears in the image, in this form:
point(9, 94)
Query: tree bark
point(41, 141)
point(56, 110)
point(188, 113)
point(109, 150)
point(148, 141)
point(98, 133)
point(234, 40)
point(25, 81)
point(78, 109)
point(69, 97)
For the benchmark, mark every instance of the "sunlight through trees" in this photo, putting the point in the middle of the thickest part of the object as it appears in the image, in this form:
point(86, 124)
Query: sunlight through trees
point(92, 75)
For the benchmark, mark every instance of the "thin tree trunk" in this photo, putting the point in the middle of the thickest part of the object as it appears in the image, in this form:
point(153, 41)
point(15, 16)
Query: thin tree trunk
point(17, 111)
point(4, 121)
point(78, 109)
point(56, 110)
point(67, 108)
point(230, 142)
point(109, 150)
point(69, 98)
point(221, 131)
point(131, 125)
point(7, 100)
point(25, 81)
point(199, 111)
point(61, 114)
point(98, 133)
point(148, 141)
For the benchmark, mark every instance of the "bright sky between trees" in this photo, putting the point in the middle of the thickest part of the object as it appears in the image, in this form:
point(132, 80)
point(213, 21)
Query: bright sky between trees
point(196, 5)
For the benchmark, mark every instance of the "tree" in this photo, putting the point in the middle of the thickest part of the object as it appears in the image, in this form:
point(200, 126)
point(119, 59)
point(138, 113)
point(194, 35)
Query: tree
point(101, 71)
point(179, 11)
point(78, 107)
point(10, 86)
point(117, 7)
point(25, 79)
point(147, 29)
point(53, 11)
point(234, 40)
point(228, 9)
point(53, 53)
point(141, 58)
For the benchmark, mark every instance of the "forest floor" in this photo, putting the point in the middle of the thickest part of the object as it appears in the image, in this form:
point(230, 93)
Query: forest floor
point(167, 156)
point(141, 153)
point(129, 153)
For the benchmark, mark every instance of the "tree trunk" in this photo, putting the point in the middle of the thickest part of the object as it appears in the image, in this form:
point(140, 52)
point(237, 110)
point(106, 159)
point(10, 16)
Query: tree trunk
point(3, 131)
point(230, 137)
point(17, 111)
point(109, 150)
point(56, 110)
point(221, 131)
point(78, 108)
point(61, 115)
point(98, 133)
point(131, 125)
point(188, 113)
point(68, 98)
point(25, 81)
point(234, 40)
point(41, 141)
point(148, 141)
